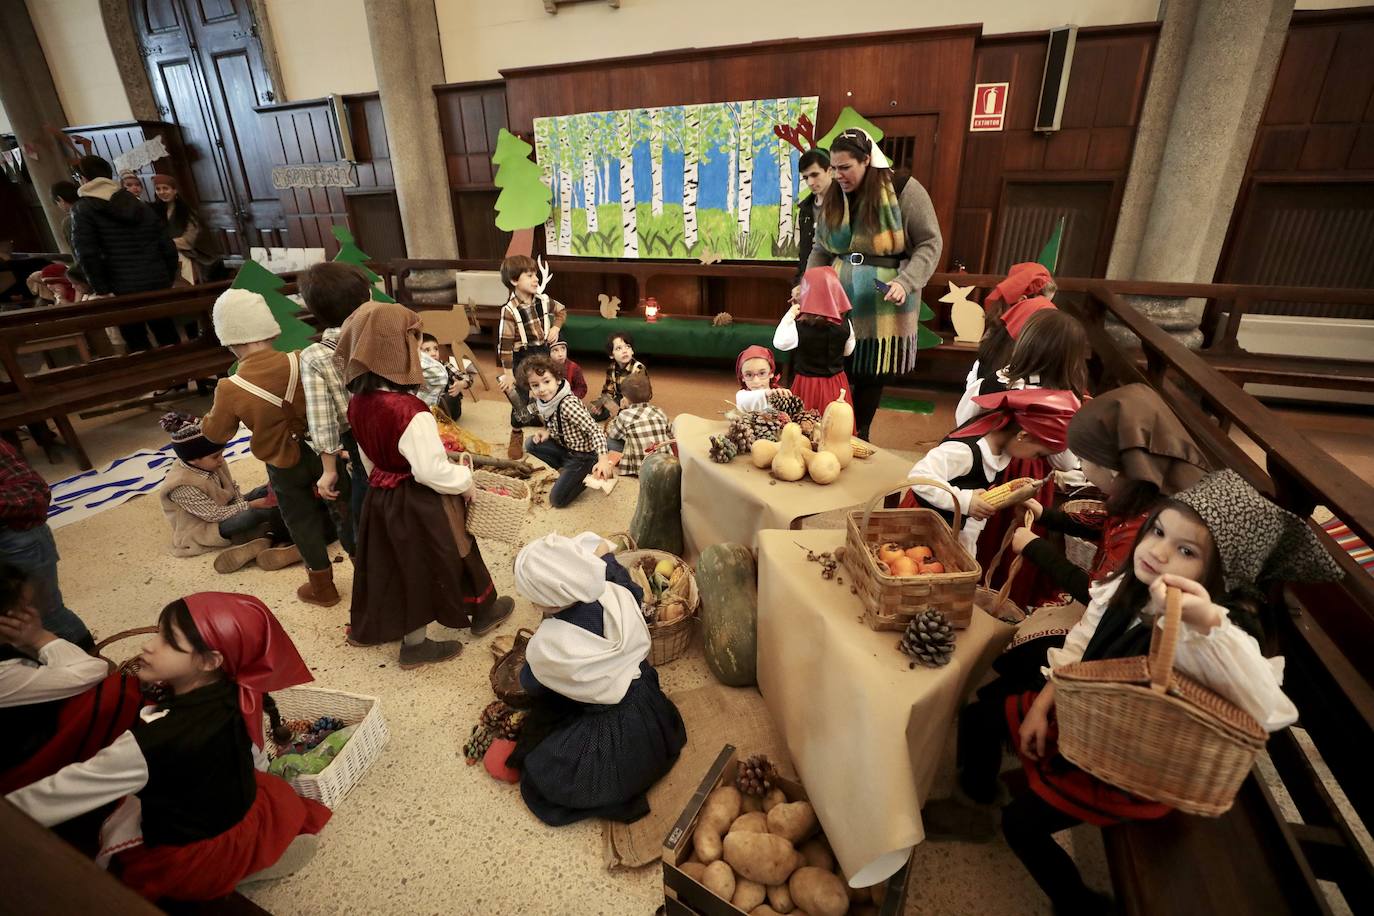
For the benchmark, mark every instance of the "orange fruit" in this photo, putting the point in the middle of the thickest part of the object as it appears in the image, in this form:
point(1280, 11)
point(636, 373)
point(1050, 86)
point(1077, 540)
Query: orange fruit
point(920, 554)
point(903, 566)
point(890, 552)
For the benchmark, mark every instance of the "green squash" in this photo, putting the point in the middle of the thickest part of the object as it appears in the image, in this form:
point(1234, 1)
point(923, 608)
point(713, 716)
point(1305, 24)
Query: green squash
point(728, 585)
point(657, 522)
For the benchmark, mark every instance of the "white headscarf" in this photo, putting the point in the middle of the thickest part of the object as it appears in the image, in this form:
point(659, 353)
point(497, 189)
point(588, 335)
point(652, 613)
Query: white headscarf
point(557, 571)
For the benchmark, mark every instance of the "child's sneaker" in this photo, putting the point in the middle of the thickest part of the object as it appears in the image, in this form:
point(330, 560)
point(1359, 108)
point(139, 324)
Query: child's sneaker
point(428, 652)
point(232, 559)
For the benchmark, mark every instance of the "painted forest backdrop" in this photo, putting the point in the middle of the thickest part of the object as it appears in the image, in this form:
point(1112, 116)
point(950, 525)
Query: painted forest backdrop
point(693, 181)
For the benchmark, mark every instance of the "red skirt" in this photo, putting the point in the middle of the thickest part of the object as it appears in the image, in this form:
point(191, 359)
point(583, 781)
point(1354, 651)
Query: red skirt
point(86, 723)
point(1067, 788)
point(1032, 588)
point(212, 868)
point(817, 392)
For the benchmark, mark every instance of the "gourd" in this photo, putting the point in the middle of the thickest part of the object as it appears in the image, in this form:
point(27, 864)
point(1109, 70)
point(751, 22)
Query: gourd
point(762, 453)
point(823, 467)
point(789, 463)
point(837, 426)
point(728, 585)
point(657, 522)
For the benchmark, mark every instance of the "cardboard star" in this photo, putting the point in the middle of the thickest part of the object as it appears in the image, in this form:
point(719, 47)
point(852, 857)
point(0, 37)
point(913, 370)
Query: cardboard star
point(957, 293)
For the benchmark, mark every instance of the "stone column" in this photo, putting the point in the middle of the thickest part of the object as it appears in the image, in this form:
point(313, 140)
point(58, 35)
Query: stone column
point(1213, 68)
point(30, 99)
point(410, 62)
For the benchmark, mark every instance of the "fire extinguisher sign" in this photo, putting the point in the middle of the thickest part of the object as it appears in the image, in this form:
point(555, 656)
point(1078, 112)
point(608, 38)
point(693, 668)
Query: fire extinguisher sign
point(989, 106)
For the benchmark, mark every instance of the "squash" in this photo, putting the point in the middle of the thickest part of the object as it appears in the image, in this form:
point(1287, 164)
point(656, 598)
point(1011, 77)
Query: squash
point(728, 585)
point(837, 426)
point(789, 464)
point(823, 467)
point(657, 522)
point(762, 453)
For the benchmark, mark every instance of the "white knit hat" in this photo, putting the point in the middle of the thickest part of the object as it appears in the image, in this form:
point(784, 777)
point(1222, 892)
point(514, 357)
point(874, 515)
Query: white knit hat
point(243, 317)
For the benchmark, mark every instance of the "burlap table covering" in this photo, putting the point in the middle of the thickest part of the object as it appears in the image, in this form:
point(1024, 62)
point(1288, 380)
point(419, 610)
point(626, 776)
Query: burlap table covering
point(731, 503)
point(864, 731)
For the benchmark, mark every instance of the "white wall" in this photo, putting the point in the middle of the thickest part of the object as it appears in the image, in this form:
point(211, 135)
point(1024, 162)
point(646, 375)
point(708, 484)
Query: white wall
point(83, 66)
point(322, 46)
point(481, 37)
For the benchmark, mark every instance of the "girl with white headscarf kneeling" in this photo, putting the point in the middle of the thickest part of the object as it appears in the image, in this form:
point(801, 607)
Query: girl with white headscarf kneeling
point(601, 731)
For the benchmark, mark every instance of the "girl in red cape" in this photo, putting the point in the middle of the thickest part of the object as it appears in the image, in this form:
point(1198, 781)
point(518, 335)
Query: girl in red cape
point(818, 331)
point(757, 374)
point(197, 816)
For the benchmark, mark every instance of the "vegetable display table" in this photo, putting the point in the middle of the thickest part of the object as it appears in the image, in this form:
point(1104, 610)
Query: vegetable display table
point(667, 336)
point(864, 730)
point(734, 502)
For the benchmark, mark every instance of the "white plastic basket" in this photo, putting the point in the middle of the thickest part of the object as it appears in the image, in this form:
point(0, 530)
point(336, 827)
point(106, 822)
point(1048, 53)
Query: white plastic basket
point(335, 781)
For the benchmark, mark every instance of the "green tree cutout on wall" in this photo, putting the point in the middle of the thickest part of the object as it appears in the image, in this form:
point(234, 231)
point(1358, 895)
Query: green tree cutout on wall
point(350, 253)
point(525, 199)
point(295, 334)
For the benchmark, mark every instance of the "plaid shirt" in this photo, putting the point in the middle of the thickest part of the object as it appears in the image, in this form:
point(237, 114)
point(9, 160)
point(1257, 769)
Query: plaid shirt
point(24, 496)
point(572, 427)
point(616, 375)
point(199, 504)
point(639, 426)
point(523, 326)
point(326, 398)
point(436, 380)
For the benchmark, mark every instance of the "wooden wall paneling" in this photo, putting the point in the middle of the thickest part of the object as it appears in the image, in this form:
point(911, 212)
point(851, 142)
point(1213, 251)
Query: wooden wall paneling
point(471, 116)
point(112, 140)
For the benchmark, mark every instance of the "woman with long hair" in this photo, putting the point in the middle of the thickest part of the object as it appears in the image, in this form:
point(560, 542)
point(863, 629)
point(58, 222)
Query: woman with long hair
point(883, 239)
point(198, 254)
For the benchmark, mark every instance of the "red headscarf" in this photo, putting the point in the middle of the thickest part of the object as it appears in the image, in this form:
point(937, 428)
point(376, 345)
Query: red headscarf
point(822, 294)
point(1026, 279)
point(258, 655)
point(1015, 318)
point(756, 352)
point(1043, 413)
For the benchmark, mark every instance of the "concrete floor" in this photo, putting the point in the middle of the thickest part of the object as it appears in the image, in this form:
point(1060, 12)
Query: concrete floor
point(422, 832)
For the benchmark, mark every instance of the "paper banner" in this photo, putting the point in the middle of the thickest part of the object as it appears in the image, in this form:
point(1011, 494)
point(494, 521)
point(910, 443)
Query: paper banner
point(144, 154)
point(325, 175)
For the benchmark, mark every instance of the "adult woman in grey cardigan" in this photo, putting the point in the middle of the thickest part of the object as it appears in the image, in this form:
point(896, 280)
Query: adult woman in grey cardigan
point(884, 241)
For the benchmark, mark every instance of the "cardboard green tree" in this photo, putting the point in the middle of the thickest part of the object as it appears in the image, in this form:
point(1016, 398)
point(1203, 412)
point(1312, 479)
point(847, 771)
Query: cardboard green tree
point(350, 253)
point(525, 201)
point(295, 334)
point(1049, 255)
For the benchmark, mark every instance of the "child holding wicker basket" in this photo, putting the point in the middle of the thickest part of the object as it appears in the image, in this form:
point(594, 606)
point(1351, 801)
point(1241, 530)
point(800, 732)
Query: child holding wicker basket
point(197, 815)
point(1220, 543)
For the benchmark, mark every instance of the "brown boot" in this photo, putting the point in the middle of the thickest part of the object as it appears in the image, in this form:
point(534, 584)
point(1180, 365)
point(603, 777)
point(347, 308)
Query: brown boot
point(320, 589)
point(517, 445)
point(280, 557)
point(232, 559)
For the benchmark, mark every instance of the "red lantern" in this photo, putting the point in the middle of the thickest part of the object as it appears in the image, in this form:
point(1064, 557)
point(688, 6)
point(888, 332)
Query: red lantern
point(651, 309)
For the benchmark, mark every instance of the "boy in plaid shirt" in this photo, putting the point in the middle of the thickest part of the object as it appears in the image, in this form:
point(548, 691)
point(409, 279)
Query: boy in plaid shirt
point(638, 426)
point(530, 323)
point(571, 443)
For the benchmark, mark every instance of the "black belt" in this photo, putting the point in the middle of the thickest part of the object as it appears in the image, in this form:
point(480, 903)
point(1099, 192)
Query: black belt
point(874, 260)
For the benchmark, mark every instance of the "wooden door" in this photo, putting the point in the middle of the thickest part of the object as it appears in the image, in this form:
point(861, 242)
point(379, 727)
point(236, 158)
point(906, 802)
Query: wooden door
point(909, 141)
point(206, 70)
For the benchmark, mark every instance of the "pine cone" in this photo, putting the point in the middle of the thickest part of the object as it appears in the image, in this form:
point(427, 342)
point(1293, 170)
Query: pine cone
point(723, 449)
point(478, 742)
point(756, 775)
point(768, 424)
point(784, 400)
point(510, 729)
point(809, 421)
point(741, 433)
point(929, 639)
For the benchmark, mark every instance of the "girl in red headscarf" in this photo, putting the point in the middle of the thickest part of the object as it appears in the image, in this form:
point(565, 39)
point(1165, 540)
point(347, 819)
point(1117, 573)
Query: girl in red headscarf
point(818, 331)
point(758, 378)
point(196, 816)
point(1028, 289)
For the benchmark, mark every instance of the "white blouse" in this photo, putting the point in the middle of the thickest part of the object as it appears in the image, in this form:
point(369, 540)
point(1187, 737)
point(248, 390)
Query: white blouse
point(785, 337)
point(422, 448)
point(950, 460)
point(1226, 659)
point(65, 671)
point(745, 399)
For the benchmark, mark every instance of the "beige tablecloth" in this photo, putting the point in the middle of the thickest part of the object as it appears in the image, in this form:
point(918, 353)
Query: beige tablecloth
point(864, 731)
point(732, 503)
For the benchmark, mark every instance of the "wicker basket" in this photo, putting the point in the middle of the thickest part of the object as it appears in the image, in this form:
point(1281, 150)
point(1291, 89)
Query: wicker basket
point(890, 601)
point(497, 517)
point(505, 673)
point(129, 665)
point(1138, 725)
point(993, 601)
point(669, 640)
point(331, 784)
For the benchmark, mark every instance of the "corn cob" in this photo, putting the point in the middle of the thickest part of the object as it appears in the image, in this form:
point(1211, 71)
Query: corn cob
point(861, 448)
point(1011, 492)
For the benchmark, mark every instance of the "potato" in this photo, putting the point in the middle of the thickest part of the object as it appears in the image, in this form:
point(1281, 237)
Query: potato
point(780, 898)
point(719, 879)
point(751, 803)
point(817, 853)
point(773, 797)
point(819, 892)
point(748, 894)
point(720, 810)
point(879, 893)
point(794, 821)
point(760, 857)
point(752, 822)
point(764, 909)
point(693, 870)
point(706, 845)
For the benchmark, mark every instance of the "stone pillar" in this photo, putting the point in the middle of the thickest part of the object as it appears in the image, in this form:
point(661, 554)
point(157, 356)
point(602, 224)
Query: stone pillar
point(30, 99)
point(410, 62)
point(1213, 68)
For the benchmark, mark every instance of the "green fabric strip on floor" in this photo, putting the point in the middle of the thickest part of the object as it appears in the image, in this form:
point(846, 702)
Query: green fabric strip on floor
point(667, 336)
point(909, 405)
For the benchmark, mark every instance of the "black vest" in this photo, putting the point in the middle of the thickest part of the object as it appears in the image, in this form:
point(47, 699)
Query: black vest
point(820, 348)
point(975, 479)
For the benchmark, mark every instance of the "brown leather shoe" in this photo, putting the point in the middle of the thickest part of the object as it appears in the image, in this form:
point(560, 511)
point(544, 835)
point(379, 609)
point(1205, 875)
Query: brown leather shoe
point(483, 622)
point(428, 652)
point(280, 557)
point(320, 589)
point(232, 559)
point(516, 450)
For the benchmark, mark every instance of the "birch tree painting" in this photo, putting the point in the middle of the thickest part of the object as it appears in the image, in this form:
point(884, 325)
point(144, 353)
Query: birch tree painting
point(675, 182)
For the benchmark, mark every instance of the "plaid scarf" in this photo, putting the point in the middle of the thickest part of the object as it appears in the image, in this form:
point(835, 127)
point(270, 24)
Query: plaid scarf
point(885, 331)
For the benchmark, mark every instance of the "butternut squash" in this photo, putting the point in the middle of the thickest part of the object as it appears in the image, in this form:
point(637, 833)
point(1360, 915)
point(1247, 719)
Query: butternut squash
point(762, 453)
point(823, 467)
point(837, 426)
point(789, 463)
